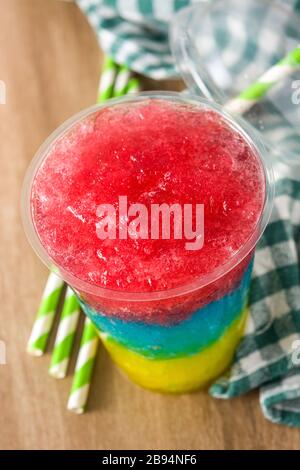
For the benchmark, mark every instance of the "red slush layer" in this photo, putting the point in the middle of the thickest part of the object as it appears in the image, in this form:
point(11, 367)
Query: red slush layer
point(153, 152)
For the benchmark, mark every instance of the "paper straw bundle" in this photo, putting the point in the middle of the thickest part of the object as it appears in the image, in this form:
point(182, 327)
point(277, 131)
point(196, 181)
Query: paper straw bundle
point(115, 81)
point(43, 324)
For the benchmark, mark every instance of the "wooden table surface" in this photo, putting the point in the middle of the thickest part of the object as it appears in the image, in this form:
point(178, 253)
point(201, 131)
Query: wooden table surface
point(50, 60)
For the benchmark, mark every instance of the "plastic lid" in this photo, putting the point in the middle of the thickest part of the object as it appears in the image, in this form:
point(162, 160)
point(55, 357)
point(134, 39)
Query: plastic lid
point(224, 46)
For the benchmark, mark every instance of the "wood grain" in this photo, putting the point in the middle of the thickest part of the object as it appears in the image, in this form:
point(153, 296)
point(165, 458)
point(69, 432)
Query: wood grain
point(50, 60)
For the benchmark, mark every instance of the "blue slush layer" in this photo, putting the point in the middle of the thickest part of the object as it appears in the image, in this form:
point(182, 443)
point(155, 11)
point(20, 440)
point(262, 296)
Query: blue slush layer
point(200, 330)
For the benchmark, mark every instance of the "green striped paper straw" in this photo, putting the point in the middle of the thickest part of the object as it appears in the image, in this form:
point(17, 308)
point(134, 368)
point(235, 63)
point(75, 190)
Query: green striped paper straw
point(121, 82)
point(84, 368)
point(107, 79)
point(44, 320)
point(65, 336)
point(133, 86)
point(257, 90)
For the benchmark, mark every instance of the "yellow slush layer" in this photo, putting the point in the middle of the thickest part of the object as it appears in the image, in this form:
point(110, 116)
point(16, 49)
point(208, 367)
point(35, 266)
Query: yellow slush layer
point(179, 374)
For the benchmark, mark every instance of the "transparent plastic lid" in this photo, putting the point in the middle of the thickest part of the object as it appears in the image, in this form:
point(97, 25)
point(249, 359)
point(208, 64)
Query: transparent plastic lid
point(223, 46)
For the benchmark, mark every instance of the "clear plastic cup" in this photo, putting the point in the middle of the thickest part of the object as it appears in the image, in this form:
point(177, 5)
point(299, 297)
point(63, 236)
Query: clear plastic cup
point(203, 320)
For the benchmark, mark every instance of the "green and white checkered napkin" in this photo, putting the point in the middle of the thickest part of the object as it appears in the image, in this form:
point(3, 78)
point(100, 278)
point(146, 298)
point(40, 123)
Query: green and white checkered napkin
point(135, 32)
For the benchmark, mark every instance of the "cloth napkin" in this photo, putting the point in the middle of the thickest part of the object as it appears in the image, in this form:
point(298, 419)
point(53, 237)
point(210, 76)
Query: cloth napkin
point(135, 32)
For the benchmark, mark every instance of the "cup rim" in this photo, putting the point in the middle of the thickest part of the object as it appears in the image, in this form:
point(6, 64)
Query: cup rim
point(237, 123)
